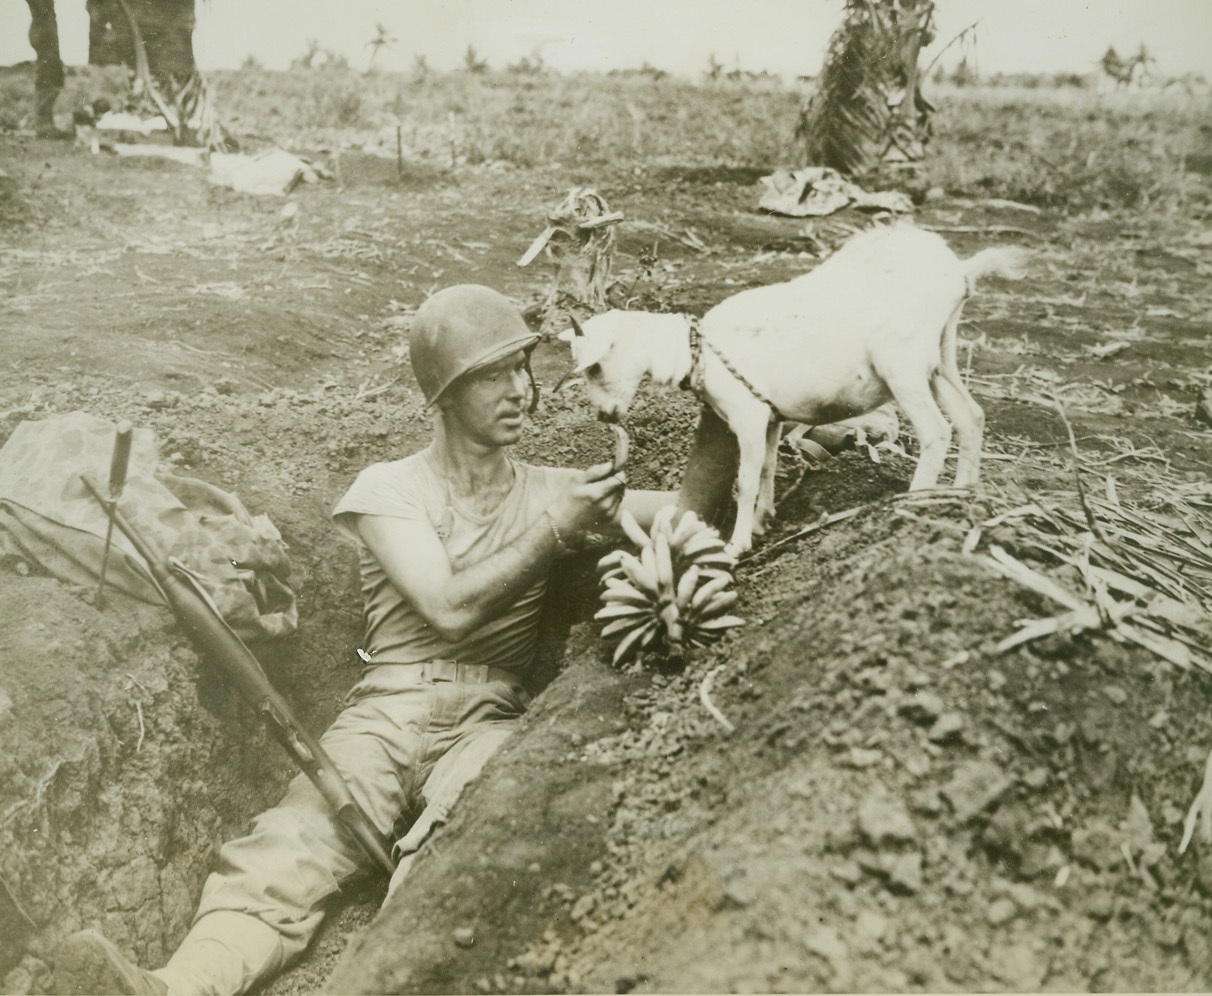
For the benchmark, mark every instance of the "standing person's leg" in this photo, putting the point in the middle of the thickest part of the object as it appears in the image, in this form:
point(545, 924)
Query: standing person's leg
point(48, 72)
point(710, 469)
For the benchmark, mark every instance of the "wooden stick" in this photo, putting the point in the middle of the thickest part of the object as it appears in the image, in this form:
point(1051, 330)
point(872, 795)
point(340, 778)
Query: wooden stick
point(705, 698)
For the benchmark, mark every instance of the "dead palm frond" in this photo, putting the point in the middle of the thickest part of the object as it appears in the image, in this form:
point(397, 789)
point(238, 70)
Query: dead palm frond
point(868, 102)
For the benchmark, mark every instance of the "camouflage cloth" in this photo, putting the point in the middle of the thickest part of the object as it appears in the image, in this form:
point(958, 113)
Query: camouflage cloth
point(48, 516)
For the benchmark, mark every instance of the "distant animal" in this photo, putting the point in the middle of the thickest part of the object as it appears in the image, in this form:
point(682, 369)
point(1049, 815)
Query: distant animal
point(84, 120)
point(875, 322)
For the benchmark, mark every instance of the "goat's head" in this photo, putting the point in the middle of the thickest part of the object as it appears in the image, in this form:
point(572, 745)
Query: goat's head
point(614, 351)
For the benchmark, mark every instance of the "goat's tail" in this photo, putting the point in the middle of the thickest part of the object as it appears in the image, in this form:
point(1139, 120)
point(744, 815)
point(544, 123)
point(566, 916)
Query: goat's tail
point(1009, 262)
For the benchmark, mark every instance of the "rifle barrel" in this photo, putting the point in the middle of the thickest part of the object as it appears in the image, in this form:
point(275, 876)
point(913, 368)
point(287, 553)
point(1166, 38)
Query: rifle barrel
point(226, 651)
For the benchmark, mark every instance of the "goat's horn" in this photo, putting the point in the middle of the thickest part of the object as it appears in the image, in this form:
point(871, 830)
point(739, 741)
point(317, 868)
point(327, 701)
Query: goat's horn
point(576, 326)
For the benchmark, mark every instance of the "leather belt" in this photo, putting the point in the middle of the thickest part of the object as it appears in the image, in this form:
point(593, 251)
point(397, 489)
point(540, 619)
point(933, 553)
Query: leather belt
point(439, 670)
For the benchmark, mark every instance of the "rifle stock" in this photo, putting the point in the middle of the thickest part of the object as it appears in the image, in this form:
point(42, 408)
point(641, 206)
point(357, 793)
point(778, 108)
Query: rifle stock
point(216, 641)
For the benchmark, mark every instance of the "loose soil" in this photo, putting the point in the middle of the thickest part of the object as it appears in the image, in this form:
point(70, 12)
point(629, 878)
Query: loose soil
point(838, 838)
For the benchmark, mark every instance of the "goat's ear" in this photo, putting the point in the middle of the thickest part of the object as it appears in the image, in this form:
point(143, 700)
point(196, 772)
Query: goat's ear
point(567, 336)
point(586, 352)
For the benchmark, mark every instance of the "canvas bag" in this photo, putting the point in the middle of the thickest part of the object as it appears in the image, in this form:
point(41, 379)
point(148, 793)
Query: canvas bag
point(48, 516)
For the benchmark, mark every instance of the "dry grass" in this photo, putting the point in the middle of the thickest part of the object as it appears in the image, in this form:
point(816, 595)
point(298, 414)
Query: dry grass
point(1056, 146)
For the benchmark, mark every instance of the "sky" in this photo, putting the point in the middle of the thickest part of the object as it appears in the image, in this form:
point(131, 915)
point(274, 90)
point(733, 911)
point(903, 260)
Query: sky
point(787, 37)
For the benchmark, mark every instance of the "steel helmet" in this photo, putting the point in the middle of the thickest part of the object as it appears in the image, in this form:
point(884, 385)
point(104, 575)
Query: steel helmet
point(459, 329)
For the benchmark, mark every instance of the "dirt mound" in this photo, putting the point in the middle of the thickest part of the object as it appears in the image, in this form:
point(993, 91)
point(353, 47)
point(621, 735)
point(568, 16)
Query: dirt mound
point(122, 767)
point(900, 807)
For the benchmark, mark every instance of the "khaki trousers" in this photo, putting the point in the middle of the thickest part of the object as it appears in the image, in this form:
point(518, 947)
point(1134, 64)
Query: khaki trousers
point(403, 741)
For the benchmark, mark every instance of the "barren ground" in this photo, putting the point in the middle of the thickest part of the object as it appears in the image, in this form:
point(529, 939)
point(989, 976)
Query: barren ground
point(900, 806)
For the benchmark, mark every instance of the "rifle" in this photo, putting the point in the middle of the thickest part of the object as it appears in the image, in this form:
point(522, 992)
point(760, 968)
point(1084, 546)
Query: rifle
point(215, 641)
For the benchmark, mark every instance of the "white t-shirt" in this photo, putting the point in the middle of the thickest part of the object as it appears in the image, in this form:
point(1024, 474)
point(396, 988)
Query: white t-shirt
point(414, 489)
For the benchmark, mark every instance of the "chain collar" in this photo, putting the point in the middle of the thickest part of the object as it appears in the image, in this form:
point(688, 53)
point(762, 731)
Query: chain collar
point(693, 381)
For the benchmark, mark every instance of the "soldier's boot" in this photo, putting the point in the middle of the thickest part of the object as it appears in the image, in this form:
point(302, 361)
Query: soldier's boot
point(224, 953)
point(88, 963)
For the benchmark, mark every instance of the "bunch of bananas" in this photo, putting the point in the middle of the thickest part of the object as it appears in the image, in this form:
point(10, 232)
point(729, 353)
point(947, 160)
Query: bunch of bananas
point(673, 593)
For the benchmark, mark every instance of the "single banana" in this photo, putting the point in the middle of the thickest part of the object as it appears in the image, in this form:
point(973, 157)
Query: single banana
point(708, 590)
point(622, 590)
point(686, 585)
point(608, 561)
point(648, 559)
point(719, 623)
point(687, 526)
point(724, 600)
point(701, 542)
point(619, 610)
point(638, 573)
point(623, 626)
point(637, 639)
point(635, 532)
point(723, 560)
point(674, 633)
point(664, 564)
point(622, 446)
point(662, 522)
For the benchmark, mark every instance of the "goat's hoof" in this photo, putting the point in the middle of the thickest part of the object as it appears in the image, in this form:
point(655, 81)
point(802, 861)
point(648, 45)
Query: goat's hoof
point(736, 550)
point(762, 526)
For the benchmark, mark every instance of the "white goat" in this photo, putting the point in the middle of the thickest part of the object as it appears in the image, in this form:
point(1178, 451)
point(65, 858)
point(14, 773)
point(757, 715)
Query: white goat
point(873, 323)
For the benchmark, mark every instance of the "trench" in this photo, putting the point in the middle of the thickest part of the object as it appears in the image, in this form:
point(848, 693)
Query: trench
point(125, 762)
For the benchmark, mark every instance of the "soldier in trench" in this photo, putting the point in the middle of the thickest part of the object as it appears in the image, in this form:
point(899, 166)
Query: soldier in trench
point(455, 546)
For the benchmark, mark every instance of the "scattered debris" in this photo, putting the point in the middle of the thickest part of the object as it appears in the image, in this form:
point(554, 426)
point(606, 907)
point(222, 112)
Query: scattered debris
point(274, 171)
point(240, 559)
point(705, 698)
point(818, 190)
point(1200, 811)
point(120, 125)
point(826, 519)
point(1144, 576)
point(579, 239)
point(1106, 349)
point(186, 155)
point(877, 430)
point(688, 237)
point(979, 229)
point(995, 204)
point(142, 731)
point(1203, 407)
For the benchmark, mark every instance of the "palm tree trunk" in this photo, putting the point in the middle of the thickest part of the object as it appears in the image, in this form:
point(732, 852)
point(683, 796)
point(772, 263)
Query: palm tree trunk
point(167, 27)
point(868, 103)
